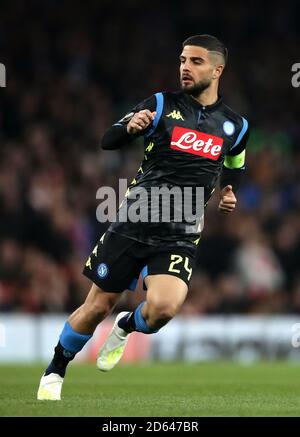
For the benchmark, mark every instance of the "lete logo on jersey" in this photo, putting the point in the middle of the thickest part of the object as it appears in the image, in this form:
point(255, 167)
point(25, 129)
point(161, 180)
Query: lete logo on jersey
point(196, 143)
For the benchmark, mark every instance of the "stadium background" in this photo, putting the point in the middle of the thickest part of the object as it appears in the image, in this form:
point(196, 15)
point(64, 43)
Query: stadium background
point(73, 70)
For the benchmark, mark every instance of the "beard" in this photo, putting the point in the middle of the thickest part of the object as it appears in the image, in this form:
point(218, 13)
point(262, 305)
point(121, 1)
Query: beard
point(197, 89)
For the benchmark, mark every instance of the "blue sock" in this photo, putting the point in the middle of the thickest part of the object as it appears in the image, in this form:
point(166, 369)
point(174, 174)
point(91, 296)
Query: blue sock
point(141, 325)
point(71, 340)
point(70, 343)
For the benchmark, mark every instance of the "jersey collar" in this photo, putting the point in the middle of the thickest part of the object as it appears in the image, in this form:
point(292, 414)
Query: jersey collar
point(198, 105)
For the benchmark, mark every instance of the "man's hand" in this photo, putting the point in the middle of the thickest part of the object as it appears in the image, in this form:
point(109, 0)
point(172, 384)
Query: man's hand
point(228, 200)
point(140, 121)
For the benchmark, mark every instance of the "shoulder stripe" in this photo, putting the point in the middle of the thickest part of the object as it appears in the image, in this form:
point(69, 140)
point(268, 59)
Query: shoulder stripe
point(242, 133)
point(159, 109)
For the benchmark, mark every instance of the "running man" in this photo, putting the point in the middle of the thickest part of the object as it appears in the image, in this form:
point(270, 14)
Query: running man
point(191, 139)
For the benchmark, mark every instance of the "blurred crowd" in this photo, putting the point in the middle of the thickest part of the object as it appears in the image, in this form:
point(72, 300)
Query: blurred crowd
point(73, 69)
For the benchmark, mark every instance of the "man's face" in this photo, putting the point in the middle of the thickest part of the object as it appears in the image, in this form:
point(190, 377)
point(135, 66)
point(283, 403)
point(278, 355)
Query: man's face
point(198, 68)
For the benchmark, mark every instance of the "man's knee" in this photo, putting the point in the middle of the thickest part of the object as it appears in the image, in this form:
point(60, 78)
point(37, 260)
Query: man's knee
point(162, 310)
point(165, 297)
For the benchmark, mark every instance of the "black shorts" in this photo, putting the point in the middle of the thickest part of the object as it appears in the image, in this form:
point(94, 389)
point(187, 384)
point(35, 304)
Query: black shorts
point(116, 262)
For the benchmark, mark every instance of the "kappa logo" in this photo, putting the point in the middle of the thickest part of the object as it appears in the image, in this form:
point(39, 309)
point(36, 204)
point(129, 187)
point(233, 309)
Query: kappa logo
point(176, 115)
point(196, 143)
point(67, 353)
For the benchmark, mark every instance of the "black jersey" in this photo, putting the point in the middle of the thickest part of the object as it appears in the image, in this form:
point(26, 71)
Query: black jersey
point(185, 146)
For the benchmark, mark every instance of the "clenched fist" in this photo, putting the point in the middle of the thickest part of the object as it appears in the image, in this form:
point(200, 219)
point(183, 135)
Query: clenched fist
point(140, 121)
point(228, 200)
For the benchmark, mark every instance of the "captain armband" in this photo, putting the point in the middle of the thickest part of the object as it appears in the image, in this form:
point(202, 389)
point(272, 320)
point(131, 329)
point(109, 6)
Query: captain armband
point(234, 162)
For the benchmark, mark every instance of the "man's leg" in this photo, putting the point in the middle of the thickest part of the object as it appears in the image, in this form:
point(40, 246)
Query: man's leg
point(78, 329)
point(165, 297)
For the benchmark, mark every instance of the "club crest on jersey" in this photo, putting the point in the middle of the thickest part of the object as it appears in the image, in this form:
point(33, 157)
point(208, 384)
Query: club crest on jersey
point(176, 115)
point(228, 127)
point(196, 143)
point(102, 270)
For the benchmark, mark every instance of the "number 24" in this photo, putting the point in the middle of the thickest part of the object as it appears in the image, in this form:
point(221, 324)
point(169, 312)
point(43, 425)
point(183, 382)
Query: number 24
point(177, 259)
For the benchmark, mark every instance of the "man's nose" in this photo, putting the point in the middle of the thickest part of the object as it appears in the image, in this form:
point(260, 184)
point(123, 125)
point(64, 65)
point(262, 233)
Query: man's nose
point(186, 67)
point(186, 70)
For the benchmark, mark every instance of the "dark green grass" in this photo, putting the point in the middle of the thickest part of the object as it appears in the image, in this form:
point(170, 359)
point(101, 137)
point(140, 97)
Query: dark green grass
point(223, 389)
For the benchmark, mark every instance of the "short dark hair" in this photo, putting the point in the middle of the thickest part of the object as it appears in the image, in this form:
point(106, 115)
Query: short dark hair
point(209, 42)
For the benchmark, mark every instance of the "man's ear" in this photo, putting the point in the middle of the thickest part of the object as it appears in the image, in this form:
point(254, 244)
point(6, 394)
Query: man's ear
point(218, 71)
